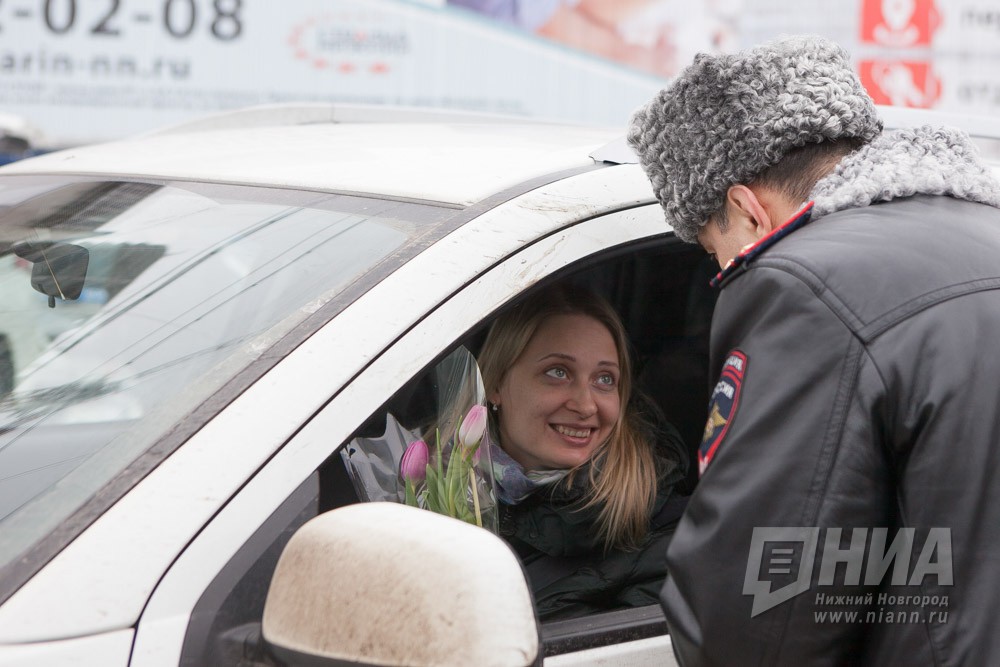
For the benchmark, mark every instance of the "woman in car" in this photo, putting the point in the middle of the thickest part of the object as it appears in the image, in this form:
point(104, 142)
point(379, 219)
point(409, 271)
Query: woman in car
point(585, 470)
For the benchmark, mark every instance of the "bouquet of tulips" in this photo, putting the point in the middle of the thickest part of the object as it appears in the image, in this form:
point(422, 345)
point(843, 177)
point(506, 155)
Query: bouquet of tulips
point(453, 477)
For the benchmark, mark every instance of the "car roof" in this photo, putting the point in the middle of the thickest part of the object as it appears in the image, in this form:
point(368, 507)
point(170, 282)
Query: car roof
point(447, 157)
point(453, 158)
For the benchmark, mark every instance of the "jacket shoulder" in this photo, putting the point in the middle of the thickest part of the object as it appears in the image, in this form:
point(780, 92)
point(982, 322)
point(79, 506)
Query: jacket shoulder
point(872, 261)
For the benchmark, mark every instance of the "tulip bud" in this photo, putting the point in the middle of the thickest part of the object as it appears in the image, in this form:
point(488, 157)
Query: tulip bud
point(413, 466)
point(473, 426)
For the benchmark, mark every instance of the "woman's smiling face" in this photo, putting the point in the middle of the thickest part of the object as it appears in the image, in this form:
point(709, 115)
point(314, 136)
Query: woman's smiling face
point(560, 399)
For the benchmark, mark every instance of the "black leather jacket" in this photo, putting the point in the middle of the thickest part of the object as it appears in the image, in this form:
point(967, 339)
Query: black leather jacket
point(868, 396)
point(570, 572)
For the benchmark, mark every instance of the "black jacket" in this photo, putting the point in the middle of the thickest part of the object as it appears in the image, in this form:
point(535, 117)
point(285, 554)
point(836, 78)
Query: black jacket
point(859, 390)
point(570, 573)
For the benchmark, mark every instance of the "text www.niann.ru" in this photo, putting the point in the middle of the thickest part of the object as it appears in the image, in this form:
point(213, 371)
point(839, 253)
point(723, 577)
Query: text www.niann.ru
point(881, 616)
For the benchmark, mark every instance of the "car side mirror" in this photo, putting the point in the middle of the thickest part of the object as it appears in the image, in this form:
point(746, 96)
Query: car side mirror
point(388, 584)
point(58, 269)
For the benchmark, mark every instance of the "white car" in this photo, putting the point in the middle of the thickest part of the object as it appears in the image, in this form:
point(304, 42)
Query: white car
point(202, 328)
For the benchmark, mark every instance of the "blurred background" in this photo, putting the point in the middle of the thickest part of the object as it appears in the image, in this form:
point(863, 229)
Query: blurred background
point(79, 71)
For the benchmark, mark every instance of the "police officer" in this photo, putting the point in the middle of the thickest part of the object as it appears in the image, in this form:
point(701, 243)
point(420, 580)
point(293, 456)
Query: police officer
point(846, 512)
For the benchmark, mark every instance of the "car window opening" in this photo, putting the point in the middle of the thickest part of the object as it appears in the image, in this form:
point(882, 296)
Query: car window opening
point(666, 303)
point(663, 297)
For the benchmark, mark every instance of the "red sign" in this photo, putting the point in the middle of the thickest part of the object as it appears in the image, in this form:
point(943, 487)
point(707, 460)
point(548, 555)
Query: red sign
point(898, 23)
point(901, 84)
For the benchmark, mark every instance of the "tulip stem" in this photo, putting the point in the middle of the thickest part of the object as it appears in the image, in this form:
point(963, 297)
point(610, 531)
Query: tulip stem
point(475, 497)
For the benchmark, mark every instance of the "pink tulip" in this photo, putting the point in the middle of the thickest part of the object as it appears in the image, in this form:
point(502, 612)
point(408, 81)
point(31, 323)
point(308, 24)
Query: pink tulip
point(413, 466)
point(473, 426)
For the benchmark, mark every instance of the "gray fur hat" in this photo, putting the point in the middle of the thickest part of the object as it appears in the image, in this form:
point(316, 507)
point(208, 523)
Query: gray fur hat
point(726, 118)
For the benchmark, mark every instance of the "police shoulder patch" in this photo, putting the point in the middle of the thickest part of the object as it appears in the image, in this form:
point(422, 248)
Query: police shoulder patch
point(722, 407)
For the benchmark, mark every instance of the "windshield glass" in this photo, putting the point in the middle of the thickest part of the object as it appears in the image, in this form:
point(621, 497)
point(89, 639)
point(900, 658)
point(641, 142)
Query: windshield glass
point(125, 305)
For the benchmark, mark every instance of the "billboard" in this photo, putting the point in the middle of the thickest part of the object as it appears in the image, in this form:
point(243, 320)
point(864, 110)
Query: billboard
point(89, 70)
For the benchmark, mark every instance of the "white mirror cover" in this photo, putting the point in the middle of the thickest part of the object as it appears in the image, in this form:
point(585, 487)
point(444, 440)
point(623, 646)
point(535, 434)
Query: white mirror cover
point(387, 584)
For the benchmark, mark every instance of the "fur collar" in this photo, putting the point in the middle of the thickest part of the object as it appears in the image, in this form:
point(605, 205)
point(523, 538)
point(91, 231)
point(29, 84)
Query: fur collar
point(907, 162)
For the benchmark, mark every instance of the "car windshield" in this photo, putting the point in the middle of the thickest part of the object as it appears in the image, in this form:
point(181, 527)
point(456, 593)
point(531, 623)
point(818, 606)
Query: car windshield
point(127, 304)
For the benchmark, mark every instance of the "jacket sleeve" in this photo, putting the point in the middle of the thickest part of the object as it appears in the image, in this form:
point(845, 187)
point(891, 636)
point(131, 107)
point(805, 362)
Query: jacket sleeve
point(791, 444)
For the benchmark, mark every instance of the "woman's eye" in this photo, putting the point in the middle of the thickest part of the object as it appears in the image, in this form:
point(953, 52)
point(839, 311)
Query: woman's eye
point(558, 373)
point(606, 380)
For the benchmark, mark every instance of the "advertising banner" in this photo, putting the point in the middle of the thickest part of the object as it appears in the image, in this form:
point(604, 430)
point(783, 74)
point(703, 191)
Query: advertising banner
point(88, 70)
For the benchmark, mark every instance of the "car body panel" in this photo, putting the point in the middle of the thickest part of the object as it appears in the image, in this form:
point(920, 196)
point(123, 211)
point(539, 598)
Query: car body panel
point(100, 650)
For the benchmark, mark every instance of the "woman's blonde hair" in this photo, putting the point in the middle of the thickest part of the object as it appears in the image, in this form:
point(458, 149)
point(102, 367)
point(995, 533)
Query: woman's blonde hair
point(623, 472)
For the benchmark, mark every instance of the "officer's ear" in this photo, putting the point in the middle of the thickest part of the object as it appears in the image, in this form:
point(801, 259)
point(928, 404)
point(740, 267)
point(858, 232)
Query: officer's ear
point(751, 210)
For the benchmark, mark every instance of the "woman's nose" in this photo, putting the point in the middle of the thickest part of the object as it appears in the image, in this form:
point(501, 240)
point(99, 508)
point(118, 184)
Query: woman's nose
point(582, 401)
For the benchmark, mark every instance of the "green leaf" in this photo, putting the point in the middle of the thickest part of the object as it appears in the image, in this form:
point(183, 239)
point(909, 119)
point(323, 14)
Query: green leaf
point(432, 493)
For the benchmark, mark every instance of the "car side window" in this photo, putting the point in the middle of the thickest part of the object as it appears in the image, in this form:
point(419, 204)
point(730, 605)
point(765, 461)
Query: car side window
point(664, 297)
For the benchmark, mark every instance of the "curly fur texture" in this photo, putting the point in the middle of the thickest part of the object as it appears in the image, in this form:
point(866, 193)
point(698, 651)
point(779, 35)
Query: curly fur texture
point(901, 163)
point(726, 118)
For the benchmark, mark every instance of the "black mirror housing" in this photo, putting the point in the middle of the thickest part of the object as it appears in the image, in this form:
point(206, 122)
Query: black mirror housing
point(59, 269)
